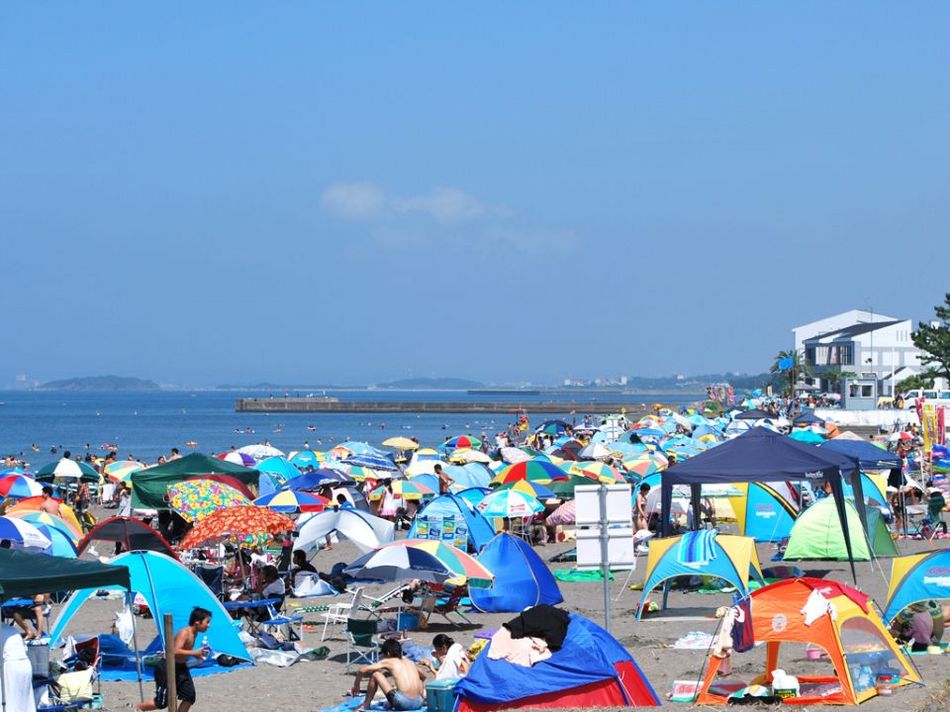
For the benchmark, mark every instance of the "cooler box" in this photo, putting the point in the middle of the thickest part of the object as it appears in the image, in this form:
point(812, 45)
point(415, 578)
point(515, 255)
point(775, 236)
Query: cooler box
point(440, 695)
point(407, 621)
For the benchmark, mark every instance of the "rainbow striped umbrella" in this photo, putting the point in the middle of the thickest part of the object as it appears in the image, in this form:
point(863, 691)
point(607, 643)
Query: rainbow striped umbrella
point(462, 441)
point(532, 489)
point(422, 559)
point(407, 489)
point(601, 472)
point(121, 470)
point(289, 501)
point(533, 471)
point(359, 472)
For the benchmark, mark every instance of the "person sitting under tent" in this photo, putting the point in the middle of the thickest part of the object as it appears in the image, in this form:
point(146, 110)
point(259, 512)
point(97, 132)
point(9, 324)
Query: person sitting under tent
point(451, 656)
point(921, 624)
point(406, 690)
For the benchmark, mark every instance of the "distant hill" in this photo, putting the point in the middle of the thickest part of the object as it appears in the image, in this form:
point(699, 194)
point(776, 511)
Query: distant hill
point(100, 383)
point(447, 384)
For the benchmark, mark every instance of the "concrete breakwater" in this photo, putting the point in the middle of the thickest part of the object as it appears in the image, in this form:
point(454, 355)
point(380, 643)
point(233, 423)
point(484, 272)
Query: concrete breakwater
point(321, 405)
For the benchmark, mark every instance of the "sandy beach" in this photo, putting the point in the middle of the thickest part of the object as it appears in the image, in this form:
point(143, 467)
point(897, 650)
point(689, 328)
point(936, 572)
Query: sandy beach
point(308, 686)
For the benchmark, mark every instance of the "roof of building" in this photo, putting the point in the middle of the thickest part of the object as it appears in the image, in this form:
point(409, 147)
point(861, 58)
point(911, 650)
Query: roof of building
point(856, 329)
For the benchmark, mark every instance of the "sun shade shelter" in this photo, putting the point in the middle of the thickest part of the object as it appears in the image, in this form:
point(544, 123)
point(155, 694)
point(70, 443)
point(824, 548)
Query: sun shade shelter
point(762, 512)
point(723, 556)
point(522, 579)
point(591, 669)
point(451, 519)
point(817, 534)
point(133, 534)
point(761, 455)
point(363, 529)
point(869, 457)
point(826, 614)
point(149, 485)
point(916, 578)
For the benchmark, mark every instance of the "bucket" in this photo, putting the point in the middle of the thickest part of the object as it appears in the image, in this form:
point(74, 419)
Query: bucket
point(814, 653)
point(440, 695)
point(407, 621)
point(38, 653)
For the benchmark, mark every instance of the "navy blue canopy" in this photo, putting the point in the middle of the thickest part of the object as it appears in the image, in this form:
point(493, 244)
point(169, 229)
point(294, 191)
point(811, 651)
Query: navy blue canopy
point(754, 414)
point(869, 457)
point(762, 455)
point(807, 418)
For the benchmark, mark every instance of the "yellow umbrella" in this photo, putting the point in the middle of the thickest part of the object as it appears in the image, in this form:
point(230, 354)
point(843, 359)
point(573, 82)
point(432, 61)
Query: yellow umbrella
point(401, 443)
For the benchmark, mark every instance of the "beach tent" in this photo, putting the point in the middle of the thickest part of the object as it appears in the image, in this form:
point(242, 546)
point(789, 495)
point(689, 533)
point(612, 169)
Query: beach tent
point(133, 534)
point(701, 553)
point(363, 529)
point(817, 535)
point(762, 512)
point(149, 485)
point(753, 414)
point(522, 579)
point(592, 669)
point(852, 636)
point(869, 456)
point(451, 519)
point(915, 578)
point(168, 587)
point(62, 543)
point(808, 417)
point(806, 436)
point(761, 455)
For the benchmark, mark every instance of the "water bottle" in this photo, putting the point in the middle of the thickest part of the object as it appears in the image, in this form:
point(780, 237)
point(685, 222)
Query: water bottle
point(205, 647)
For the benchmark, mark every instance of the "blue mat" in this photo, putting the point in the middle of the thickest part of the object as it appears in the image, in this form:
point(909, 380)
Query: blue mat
point(351, 703)
point(129, 675)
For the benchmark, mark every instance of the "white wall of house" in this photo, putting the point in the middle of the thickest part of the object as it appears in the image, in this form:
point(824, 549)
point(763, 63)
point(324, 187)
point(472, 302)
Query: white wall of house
point(832, 323)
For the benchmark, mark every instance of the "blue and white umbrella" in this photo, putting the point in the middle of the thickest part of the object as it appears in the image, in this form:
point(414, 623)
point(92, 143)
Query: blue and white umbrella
point(374, 462)
point(509, 503)
point(24, 533)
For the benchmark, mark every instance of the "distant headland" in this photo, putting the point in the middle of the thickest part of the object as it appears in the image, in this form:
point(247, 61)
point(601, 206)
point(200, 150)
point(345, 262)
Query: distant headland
point(100, 383)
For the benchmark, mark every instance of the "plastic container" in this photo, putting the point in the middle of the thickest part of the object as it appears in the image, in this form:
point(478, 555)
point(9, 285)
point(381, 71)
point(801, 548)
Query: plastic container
point(814, 653)
point(440, 695)
point(784, 694)
point(38, 653)
point(407, 621)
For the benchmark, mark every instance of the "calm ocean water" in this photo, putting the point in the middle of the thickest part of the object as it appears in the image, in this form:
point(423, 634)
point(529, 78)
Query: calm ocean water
point(149, 424)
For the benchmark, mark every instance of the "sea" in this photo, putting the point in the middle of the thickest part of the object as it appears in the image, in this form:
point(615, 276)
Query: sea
point(37, 426)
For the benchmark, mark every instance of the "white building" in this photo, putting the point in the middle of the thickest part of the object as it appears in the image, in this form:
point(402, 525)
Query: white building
point(867, 344)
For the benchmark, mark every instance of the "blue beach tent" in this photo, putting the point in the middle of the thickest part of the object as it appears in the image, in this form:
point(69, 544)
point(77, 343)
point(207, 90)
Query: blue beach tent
point(916, 578)
point(591, 669)
point(451, 519)
point(522, 579)
point(764, 514)
point(168, 587)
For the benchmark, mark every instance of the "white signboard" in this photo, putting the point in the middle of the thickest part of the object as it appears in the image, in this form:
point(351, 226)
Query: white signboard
point(604, 509)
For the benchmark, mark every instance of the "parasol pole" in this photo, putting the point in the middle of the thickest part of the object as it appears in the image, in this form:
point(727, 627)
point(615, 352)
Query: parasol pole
point(135, 644)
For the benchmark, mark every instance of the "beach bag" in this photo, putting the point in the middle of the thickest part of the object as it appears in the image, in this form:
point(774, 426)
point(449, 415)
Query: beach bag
point(227, 660)
point(743, 638)
point(75, 686)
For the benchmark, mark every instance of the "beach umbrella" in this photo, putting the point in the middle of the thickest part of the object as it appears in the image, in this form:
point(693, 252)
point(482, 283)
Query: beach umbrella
point(121, 470)
point(401, 443)
point(509, 503)
point(469, 441)
point(195, 500)
point(565, 488)
point(420, 559)
point(426, 453)
point(595, 451)
point(236, 457)
point(532, 470)
point(474, 495)
point(260, 451)
point(565, 514)
point(19, 486)
point(289, 501)
point(67, 470)
point(430, 481)
point(553, 427)
point(360, 473)
point(319, 478)
point(532, 489)
point(35, 517)
point(473, 474)
point(423, 467)
point(372, 461)
point(306, 458)
point(23, 532)
point(601, 472)
point(407, 489)
point(466, 454)
point(280, 469)
point(359, 447)
point(62, 543)
point(237, 524)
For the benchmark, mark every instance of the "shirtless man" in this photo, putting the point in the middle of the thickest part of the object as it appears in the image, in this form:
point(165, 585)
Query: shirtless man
point(184, 647)
point(49, 505)
point(406, 693)
point(641, 519)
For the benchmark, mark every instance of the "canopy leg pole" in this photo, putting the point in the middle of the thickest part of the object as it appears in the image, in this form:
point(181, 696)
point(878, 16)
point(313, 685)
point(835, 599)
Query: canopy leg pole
point(666, 592)
point(135, 645)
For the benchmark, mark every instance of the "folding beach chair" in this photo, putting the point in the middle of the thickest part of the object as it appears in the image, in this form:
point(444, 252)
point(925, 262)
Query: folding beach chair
point(450, 605)
point(213, 578)
point(341, 612)
point(375, 606)
point(278, 622)
point(362, 641)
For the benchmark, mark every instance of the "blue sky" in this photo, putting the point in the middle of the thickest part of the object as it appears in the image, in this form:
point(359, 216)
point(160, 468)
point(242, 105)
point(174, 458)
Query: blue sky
point(219, 192)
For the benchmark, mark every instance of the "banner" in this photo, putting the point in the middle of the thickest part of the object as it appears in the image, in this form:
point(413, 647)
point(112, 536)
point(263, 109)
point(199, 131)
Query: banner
point(928, 425)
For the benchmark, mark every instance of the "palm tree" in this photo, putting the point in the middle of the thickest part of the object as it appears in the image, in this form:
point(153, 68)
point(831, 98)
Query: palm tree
point(795, 366)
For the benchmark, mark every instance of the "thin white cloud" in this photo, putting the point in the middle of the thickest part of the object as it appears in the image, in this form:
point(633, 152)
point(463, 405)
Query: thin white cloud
point(448, 205)
point(367, 202)
point(354, 201)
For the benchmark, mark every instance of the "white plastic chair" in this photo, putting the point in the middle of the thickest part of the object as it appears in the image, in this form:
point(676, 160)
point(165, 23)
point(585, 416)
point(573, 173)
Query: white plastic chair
point(340, 612)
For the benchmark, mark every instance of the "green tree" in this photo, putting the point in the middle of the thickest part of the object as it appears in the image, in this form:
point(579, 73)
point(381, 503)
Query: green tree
point(834, 375)
point(934, 340)
point(919, 380)
point(799, 370)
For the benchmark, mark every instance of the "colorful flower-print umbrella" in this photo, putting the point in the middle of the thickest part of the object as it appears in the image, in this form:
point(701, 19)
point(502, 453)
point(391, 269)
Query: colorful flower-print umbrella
point(422, 559)
point(462, 441)
point(289, 501)
point(20, 486)
point(238, 458)
point(237, 524)
point(407, 489)
point(197, 499)
point(601, 472)
point(121, 470)
point(509, 503)
point(533, 470)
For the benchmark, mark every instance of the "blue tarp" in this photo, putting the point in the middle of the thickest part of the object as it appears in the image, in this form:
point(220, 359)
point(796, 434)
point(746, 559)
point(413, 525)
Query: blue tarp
point(522, 579)
point(480, 530)
point(588, 655)
point(168, 587)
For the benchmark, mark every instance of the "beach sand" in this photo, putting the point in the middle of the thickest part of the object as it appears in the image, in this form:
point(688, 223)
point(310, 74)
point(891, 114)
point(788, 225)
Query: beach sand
point(308, 686)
